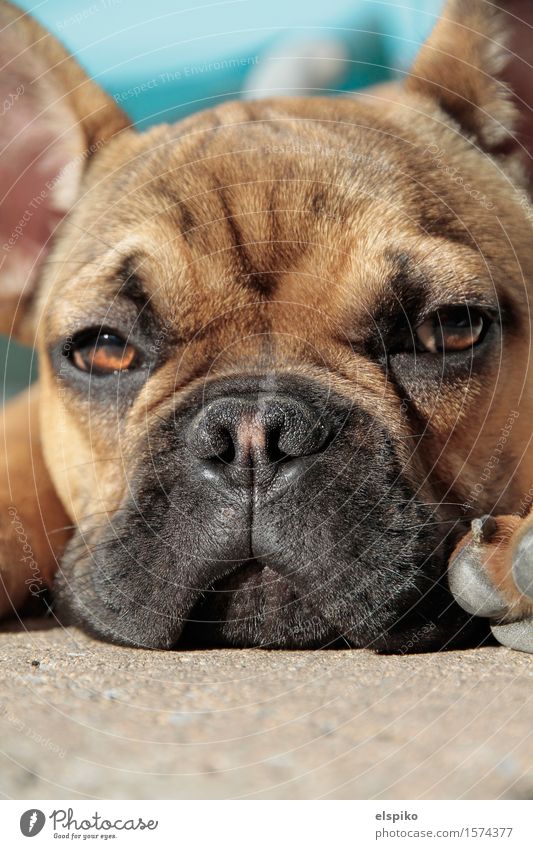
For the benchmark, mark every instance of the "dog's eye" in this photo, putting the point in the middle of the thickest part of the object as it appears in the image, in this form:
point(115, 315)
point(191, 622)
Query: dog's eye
point(450, 329)
point(103, 353)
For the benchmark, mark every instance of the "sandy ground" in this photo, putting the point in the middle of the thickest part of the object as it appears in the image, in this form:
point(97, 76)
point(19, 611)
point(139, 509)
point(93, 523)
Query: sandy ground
point(81, 719)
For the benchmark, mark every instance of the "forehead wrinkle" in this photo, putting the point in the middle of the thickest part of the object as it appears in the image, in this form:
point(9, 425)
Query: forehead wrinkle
point(457, 272)
point(405, 283)
point(418, 275)
point(149, 276)
point(130, 282)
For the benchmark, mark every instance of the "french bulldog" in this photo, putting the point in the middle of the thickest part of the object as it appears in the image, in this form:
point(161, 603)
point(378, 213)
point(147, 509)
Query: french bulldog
point(285, 394)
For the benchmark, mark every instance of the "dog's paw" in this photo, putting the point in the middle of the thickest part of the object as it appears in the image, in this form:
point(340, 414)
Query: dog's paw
point(491, 575)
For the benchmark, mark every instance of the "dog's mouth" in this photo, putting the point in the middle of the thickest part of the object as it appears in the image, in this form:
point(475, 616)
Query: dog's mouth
point(224, 602)
point(250, 600)
point(272, 603)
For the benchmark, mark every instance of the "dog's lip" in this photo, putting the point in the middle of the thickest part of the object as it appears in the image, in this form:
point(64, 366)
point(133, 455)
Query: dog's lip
point(245, 571)
point(248, 577)
point(203, 612)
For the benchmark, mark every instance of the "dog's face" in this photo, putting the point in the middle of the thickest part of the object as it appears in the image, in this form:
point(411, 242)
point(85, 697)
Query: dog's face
point(280, 342)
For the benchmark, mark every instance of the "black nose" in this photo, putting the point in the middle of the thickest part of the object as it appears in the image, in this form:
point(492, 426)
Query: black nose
point(272, 431)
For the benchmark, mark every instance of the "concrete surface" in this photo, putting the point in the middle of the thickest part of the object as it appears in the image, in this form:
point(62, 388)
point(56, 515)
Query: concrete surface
point(84, 719)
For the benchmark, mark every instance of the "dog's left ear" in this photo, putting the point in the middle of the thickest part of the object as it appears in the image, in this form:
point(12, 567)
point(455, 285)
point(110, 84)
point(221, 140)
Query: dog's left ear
point(53, 119)
point(477, 65)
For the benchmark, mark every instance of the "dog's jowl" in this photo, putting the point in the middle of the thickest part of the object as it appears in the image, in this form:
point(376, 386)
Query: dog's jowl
point(279, 344)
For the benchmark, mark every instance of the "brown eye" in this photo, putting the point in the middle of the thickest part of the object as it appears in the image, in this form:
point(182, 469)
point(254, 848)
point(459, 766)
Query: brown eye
point(452, 329)
point(104, 353)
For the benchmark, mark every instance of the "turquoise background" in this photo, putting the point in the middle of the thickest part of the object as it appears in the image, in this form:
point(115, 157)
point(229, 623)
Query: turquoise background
point(125, 43)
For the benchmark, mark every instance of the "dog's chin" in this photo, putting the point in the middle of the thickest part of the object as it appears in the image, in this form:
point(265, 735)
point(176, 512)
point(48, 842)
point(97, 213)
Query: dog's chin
point(131, 591)
point(256, 606)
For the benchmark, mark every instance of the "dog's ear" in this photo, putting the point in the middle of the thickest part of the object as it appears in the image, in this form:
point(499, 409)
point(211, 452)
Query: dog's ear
point(477, 64)
point(52, 121)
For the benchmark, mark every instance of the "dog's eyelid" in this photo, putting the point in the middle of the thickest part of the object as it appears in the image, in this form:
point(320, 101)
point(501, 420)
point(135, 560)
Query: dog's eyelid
point(471, 306)
point(491, 310)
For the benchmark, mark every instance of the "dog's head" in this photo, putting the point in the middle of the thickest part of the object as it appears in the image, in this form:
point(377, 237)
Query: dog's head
point(283, 344)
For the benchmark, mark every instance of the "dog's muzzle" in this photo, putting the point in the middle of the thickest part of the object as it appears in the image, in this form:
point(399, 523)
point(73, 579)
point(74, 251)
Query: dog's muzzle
point(266, 511)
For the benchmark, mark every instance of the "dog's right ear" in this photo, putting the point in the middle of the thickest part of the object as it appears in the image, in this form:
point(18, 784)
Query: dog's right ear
point(53, 119)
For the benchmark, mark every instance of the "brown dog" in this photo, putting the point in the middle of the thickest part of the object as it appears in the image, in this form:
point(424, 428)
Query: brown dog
point(284, 353)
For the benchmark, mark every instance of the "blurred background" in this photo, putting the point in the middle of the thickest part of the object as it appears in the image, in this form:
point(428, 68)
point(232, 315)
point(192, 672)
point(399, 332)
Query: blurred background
point(164, 59)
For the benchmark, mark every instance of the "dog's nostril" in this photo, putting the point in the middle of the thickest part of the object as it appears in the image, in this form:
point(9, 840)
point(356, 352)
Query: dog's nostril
point(209, 440)
point(222, 448)
point(302, 438)
point(274, 450)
